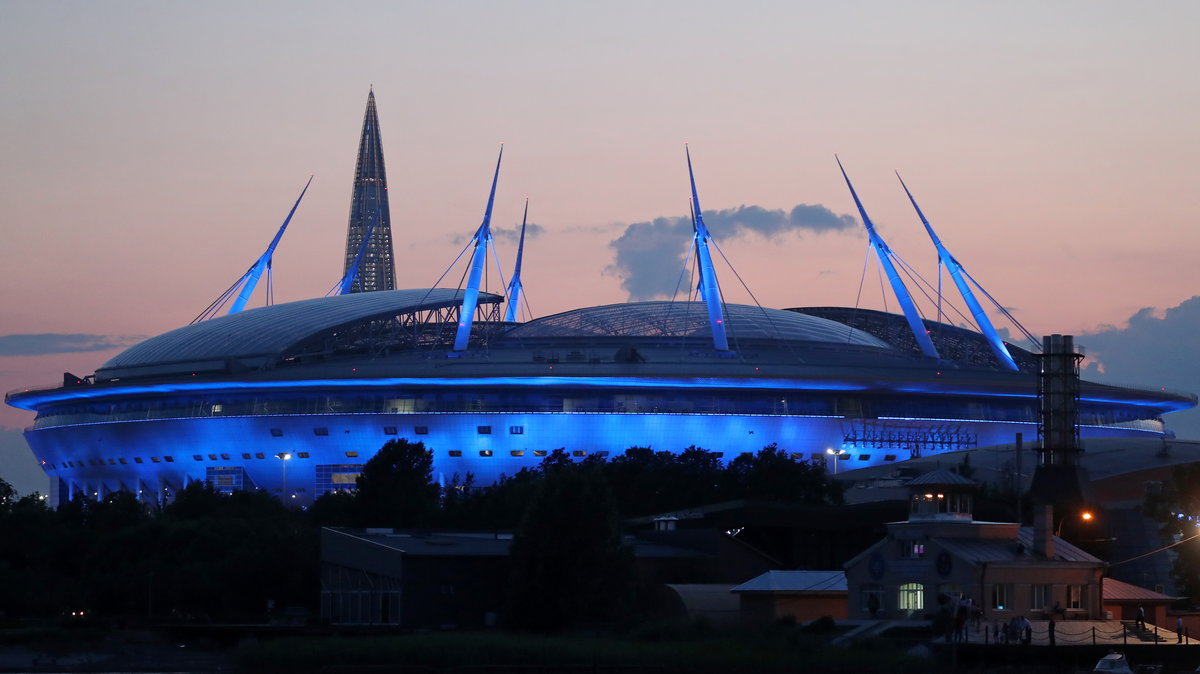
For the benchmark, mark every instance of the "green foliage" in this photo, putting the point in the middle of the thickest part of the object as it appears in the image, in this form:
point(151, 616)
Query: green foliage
point(396, 488)
point(1175, 506)
point(569, 566)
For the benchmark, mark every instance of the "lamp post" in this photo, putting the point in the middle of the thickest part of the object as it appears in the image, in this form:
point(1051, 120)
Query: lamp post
point(1086, 516)
point(284, 457)
point(837, 456)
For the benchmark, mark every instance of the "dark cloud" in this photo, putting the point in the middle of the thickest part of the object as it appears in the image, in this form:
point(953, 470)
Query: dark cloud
point(514, 235)
point(1152, 351)
point(39, 345)
point(649, 255)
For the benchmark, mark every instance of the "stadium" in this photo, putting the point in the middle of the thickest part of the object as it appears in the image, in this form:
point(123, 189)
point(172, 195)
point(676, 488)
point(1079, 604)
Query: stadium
point(294, 398)
point(327, 381)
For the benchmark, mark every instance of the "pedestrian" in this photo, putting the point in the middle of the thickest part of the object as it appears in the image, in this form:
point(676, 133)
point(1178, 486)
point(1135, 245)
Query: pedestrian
point(1179, 630)
point(1026, 631)
point(1141, 617)
point(1050, 630)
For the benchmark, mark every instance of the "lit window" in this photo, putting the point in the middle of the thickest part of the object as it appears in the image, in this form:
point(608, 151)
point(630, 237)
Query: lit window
point(579, 452)
point(302, 455)
point(485, 452)
point(351, 455)
point(1001, 596)
point(517, 452)
point(912, 549)
point(539, 452)
point(912, 597)
point(516, 430)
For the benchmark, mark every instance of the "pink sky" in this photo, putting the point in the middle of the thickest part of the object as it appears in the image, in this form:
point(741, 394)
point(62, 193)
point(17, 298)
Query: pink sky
point(149, 150)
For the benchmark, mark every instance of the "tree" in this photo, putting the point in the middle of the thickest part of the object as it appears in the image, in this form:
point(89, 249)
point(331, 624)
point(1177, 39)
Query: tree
point(569, 566)
point(396, 488)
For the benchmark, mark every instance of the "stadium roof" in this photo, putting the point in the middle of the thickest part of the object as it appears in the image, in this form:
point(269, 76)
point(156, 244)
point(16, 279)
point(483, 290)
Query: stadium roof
point(267, 332)
point(690, 319)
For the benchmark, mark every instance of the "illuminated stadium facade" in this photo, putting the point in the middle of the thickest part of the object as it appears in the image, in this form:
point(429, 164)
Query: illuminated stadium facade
point(329, 380)
point(294, 398)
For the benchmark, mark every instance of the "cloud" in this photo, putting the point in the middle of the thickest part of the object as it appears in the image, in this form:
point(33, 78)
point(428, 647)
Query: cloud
point(39, 345)
point(650, 255)
point(532, 231)
point(1156, 349)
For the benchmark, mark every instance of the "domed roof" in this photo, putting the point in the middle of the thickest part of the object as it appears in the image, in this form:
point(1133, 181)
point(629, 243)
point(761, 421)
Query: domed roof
point(690, 319)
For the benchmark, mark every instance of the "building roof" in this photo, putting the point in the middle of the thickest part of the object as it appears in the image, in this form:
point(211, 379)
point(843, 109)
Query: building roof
point(795, 581)
point(256, 336)
point(979, 551)
point(940, 477)
point(1120, 591)
point(690, 319)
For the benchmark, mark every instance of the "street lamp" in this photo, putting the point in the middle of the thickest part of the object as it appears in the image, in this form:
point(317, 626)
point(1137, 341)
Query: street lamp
point(284, 457)
point(837, 456)
point(1086, 516)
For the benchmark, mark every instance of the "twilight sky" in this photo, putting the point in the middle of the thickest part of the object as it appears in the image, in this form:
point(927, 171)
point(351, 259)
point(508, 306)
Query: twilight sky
point(149, 150)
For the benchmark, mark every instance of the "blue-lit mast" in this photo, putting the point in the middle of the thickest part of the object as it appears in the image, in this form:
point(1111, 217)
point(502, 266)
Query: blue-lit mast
point(709, 287)
point(885, 258)
point(964, 288)
point(250, 279)
point(483, 236)
point(514, 286)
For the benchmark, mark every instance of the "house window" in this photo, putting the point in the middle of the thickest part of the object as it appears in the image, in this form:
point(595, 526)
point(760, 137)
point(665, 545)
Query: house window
point(912, 549)
point(516, 430)
point(1076, 596)
point(1039, 596)
point(912, 597)
point(872, 598)
point(1002, 596)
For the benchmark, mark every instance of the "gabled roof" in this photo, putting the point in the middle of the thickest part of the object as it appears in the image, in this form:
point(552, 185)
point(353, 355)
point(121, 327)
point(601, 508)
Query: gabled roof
point(940, 477)
point(1008, 550)
point(795, 581)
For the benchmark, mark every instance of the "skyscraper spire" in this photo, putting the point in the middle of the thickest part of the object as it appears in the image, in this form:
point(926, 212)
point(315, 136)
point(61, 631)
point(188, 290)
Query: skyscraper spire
point(370, 218)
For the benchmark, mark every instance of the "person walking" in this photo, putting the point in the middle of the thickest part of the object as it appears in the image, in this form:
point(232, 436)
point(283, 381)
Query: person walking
point(1050, 631)
point(1179, 630)
point(1141, 617)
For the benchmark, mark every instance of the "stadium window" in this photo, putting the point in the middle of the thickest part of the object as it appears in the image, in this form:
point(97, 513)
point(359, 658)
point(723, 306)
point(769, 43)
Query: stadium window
point(302, 455)
point(579, 452)
point(483, 430)
point(320, 431)
point(224, 457)
point(844, 456)
point(517, 452)
point(111, 462)
point(245, 455)
point(169, 459)
point(123, 462)
point(421, 430)
point(455, 453)
point(154, 459)
point(197, 457)
point(516, 430)
point(539, 452)
point(351, 455)
point(485, 452)
point(212, 457)
point(259, 455)
point(889, 457)
point(864, 457)
point(276, 432)
point(137, 459)
point(389, 430)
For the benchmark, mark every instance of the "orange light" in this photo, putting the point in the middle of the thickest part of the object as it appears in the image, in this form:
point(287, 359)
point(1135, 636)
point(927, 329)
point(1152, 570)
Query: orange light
point(1087, 516)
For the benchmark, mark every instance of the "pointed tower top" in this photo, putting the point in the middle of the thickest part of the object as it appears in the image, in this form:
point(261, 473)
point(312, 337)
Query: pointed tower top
point(368, 256)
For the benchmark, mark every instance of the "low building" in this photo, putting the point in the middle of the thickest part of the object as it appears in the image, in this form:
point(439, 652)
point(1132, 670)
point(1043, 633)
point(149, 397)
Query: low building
point(796, 595)
point(941, 557)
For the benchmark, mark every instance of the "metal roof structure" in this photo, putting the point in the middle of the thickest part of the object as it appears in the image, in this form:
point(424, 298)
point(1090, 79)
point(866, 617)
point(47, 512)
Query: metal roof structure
point(690, 320)
point(795, 581)
point(256, 336)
